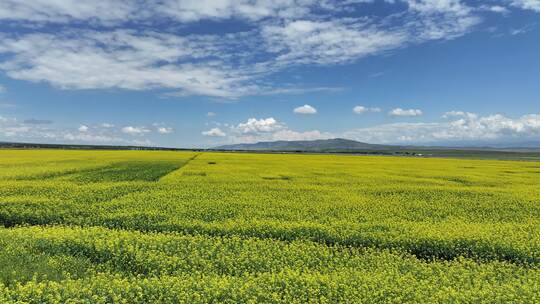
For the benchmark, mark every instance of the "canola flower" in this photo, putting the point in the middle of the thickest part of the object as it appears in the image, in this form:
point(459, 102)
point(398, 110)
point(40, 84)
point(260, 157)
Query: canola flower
point(190, 227)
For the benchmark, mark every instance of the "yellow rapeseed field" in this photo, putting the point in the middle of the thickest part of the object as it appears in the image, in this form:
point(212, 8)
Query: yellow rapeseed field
point(200, 227)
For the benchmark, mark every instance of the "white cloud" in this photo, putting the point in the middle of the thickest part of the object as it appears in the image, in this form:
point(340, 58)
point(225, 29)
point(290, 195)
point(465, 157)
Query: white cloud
point(106, 125)
point(134, 130)
point(439, 6)
point(194, 10)
point(256, 126)
point(2, 89)
point(305, 109)
point(527, 4)
point(210, 114)
point(88, 138)
point(493, 126)
point(460, 127)
point(41, 131)
point(269, 129)
point(328, 42)
point(498, 9)
point(280, 34)
point(465, 127)
point(165, 130)
point(122, 59)
point(452, 114)
point(62, 11)
point(440, 19)
point(214, 132)
point(109, 12)
point(362, 109)
point(403, 112)
point(10, 127)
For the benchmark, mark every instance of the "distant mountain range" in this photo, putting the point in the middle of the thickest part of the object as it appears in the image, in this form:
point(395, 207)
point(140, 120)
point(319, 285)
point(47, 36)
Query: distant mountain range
point(340, 145)
point(322, 145)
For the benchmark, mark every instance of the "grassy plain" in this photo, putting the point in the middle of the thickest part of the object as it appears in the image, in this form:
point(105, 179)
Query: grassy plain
point(189, 227)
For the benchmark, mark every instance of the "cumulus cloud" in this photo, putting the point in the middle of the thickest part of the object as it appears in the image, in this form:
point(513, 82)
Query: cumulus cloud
point(135, 130)
point(210, 114)
point(256, 126)
point(83, 128)
point(165, 130)
point(461, 127)
point(305, 109)
point(405, 112)
point(214, 132)
point(492, 126)
point(269, 129)
point(362, 109)
point(497, 9)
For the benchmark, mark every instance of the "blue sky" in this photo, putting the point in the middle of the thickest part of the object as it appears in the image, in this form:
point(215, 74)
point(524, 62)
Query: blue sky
point(186, 73)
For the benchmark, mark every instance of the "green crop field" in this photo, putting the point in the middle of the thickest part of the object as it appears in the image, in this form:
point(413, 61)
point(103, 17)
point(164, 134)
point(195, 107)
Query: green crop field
point(189, 227)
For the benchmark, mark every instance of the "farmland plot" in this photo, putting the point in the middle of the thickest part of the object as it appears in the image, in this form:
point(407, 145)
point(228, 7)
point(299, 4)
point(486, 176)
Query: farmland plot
point(151, 227)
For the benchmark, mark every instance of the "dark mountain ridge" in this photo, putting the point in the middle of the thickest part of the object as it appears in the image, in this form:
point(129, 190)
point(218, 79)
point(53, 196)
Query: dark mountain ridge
point(320, 145)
